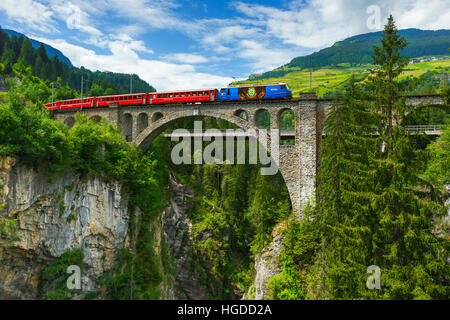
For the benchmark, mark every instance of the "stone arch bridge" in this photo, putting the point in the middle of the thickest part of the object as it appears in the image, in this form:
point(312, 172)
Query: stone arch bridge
point(297, 163)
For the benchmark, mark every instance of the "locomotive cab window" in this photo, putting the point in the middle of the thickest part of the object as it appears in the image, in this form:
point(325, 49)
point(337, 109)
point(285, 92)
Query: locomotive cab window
point(283, 87)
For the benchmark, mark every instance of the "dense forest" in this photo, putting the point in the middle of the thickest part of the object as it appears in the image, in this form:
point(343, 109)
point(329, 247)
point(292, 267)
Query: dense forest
point(19, 50)
point(380, 199)
point(357, 50)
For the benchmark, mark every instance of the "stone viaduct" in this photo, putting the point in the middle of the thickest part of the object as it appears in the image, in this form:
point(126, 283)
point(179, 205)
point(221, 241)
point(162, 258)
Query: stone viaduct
point(297, 163)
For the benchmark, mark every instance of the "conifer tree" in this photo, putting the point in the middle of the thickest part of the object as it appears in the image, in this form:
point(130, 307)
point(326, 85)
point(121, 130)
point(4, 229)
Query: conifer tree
point(343, 202)
point(411, 257)
point(372, 204)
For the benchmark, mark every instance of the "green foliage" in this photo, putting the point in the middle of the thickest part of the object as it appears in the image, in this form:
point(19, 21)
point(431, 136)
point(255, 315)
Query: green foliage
point(300, 246)
point(56, 275)
point(438, 169)
point(234, 212)
point(373, 208)
point(8, 229)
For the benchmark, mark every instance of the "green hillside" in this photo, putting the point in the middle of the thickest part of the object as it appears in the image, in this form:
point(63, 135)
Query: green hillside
point(331, 80)
point(358, 50)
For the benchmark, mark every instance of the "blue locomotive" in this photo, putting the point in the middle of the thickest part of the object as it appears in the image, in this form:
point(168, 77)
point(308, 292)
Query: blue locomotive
point(256, 92)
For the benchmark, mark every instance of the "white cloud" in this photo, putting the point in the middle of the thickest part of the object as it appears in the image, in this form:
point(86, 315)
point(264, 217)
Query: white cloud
point(75, 18)
point(123, 59)
point(156, 14)
point(31, 13)
point(320, 23)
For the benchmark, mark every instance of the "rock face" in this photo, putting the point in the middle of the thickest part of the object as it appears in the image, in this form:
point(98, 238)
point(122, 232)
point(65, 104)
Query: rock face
point(53, 218)
point(177, 233)
point(267, 265)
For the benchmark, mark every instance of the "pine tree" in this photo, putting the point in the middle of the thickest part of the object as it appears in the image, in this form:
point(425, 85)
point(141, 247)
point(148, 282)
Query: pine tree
point(343, 201)
point(27, 52)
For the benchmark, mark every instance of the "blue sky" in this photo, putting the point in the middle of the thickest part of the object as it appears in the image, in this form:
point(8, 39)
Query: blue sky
point(177, 44)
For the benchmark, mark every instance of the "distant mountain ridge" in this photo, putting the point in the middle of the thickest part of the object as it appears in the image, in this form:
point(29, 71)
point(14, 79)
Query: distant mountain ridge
point(358, 50)
point(51, 52)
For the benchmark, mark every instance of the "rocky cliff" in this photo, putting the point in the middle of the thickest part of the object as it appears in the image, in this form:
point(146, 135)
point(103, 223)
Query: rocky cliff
point(177, 230)
point(53, 218)
point(69, 213)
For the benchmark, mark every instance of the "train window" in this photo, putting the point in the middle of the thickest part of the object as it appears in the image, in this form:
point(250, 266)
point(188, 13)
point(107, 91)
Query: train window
point(228, 91)
point(194, 94)
point(182, 95)
point(188, 94)
point(170, 95)
point(177, 95)
point(200, 94)
point(160, 96)
point(283, 87)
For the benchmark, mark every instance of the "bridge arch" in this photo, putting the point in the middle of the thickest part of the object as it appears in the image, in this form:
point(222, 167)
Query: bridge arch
point(126, 126)
point(146, 137)
point(142, 122)
point(282, 123)
point(241, 113)
point(96, 118)
point(258, 117)
point(70, 122)
point(157, 116)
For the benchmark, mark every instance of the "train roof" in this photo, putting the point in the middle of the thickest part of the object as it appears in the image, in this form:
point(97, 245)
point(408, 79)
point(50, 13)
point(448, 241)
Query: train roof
point(256, 85)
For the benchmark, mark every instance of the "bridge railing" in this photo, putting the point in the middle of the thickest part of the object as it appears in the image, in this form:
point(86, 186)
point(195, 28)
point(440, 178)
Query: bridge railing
point(413, 129)
point(417, 128)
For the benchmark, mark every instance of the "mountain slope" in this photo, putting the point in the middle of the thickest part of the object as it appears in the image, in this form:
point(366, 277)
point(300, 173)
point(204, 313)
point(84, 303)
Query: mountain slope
point(358, 50)
point(51, 52)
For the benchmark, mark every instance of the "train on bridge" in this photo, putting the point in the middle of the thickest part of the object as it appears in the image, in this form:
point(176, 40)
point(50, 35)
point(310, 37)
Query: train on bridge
point(235, 93)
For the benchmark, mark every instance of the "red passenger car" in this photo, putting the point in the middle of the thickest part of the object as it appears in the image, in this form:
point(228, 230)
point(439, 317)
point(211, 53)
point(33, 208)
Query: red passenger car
point(71, 104)
point(128, 99)
point(185, 96)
